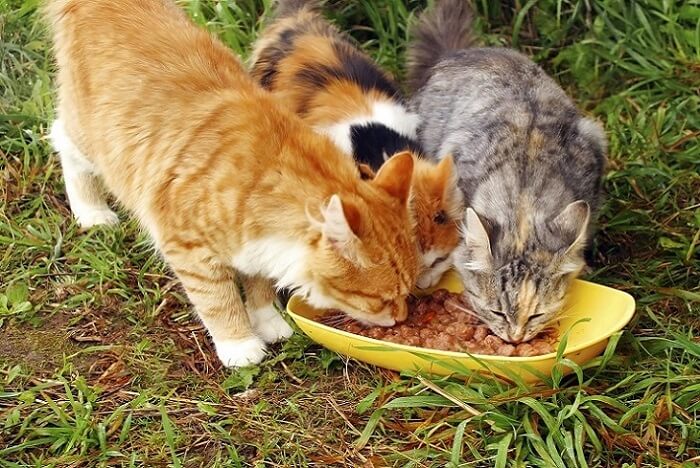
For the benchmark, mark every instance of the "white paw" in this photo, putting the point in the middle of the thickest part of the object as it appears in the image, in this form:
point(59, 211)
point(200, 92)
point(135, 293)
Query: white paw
point(427, 280)
point(240, 352)
point(269, 324)
point(88, 218)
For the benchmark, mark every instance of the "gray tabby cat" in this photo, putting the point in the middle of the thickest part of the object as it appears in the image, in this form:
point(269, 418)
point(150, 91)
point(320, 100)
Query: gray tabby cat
point(530, 168)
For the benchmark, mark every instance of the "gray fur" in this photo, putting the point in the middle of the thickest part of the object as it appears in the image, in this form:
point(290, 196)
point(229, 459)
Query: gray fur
point(447, 29)
point(530, 167)
point(286, 8)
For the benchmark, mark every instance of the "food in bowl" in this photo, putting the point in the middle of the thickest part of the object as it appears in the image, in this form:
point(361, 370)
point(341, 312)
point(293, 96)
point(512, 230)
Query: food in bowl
point(443, 320)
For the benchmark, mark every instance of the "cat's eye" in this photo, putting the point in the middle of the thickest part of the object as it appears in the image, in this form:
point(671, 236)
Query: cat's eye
point(500, 314)
point(440, 217)
point(438, 261)
point(535, 316)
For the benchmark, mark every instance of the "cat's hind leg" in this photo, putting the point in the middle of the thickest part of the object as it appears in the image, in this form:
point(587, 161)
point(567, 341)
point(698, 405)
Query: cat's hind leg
point(85, 195)
point(266, 321)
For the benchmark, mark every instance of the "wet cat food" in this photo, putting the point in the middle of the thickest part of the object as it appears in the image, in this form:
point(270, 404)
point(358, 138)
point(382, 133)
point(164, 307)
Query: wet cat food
point(443, 321)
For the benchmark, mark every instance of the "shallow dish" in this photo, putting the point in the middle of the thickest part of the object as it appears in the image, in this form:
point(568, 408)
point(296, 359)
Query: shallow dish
point(607, 311)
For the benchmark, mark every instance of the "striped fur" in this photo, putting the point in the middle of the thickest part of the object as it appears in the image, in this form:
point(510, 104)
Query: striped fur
point(232, 187)
point(322, 76)
point(530, 167)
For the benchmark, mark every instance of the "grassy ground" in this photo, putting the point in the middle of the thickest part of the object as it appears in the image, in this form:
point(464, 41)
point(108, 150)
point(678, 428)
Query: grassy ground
point(102, 364)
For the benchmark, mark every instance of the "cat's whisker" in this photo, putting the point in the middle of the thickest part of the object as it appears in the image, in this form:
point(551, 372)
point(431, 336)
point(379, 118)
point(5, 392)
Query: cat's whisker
point(467, 311)
point(337, 320)
point(528, 265)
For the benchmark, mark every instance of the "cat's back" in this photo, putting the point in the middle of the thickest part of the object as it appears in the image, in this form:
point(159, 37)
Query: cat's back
point(117, 51)
point(140, 86)
point(470, 90)
point(510, 127)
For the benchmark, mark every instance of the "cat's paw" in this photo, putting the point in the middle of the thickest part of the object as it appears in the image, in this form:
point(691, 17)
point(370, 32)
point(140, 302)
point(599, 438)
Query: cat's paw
point(88, 218)
point(240, 352)
point(270, 325)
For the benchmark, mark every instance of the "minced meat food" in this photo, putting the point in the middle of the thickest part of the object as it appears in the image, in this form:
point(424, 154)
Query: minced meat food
point(443, 321)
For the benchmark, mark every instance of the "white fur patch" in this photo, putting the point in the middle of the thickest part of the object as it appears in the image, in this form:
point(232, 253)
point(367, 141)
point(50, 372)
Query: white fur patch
point(431, 274)
point(396, 117)
point(339, 133)
point(67, 149)
point(281, 259)
point(240, 352)
point(89, 217)
point(391, 114)
point(269, 325)
point(84, 195)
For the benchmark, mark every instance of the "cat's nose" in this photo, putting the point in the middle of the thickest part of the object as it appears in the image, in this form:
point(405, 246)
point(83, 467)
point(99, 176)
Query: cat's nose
point(516, 335)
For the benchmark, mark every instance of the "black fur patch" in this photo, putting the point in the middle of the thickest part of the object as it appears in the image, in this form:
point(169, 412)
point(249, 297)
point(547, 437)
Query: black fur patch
point(273, 55)
point(371, 142)
point(283, 296)
point(355, 68)
point(363, 71)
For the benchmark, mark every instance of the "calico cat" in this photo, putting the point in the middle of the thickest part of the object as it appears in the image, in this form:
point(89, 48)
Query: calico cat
point(322, 76)
point(232, 187)
point(530, 167)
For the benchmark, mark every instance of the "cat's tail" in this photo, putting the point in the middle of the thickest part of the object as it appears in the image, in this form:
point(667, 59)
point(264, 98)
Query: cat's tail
point(284, 8)
point(441, 30)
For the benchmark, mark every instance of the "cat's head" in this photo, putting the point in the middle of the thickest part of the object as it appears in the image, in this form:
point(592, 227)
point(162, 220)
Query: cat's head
point(365, 258)
point(438, 207)
point(517, 287)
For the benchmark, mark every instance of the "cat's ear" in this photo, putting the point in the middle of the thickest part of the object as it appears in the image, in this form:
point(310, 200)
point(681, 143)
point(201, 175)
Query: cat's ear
point(341, 227)
point(477, 241)
point(394, 177)
point(446, 170)
point(366, 172)
point(447, 176)
point(572, 225)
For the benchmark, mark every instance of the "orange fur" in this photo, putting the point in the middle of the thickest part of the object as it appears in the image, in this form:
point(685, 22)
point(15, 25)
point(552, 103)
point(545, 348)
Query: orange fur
point(304, 41)
point(433, 196)
point(230, 185)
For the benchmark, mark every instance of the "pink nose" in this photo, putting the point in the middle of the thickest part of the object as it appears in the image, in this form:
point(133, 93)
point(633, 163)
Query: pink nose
point(516, 336)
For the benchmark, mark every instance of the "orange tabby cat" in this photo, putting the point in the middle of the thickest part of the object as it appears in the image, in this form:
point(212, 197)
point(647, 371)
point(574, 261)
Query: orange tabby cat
point(231, 186)
point(318, 72)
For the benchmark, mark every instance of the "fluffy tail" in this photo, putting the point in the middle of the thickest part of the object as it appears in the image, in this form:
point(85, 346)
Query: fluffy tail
point(286, 8)
point(445, 28)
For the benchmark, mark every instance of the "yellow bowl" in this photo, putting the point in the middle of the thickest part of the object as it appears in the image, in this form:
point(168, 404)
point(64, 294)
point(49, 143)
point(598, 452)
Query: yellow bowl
point(606, 309)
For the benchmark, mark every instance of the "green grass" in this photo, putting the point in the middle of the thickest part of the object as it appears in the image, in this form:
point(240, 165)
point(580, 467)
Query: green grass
point(101, 362)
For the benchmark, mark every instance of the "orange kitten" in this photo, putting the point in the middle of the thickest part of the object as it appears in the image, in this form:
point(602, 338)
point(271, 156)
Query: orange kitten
point(231, 186)
point(320, 74)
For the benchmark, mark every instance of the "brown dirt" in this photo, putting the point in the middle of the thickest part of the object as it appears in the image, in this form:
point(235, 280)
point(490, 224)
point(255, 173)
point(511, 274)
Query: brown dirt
point(39, 349)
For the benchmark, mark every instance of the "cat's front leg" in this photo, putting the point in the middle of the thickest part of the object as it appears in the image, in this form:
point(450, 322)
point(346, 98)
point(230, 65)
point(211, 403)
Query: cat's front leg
point(212, 289)
point(267, 322)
